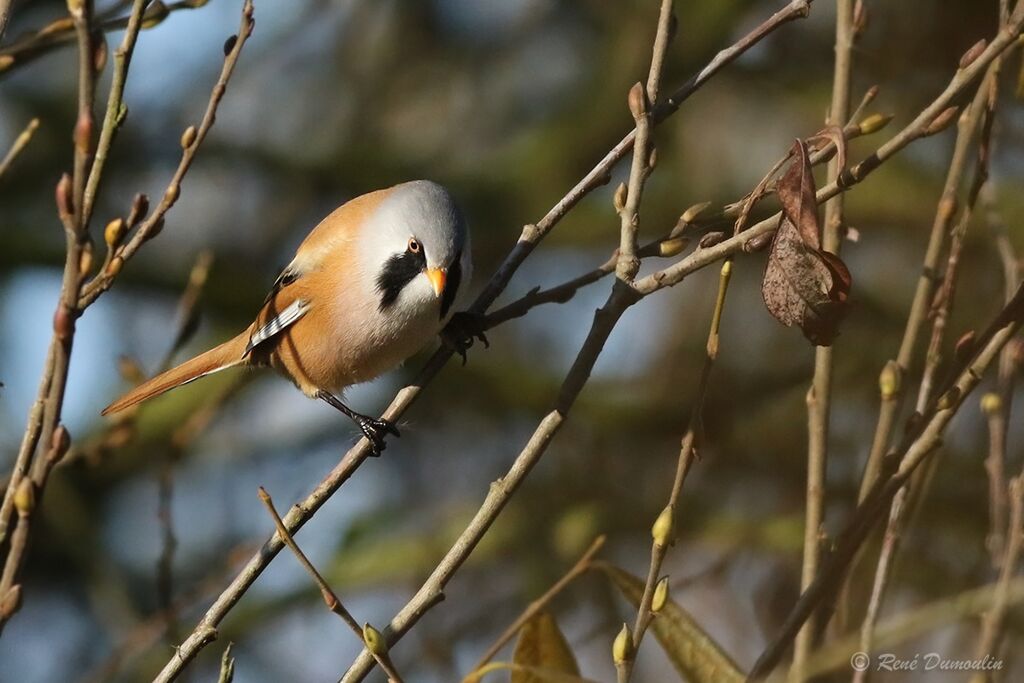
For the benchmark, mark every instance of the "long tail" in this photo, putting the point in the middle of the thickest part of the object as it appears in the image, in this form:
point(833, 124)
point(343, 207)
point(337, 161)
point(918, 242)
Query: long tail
point(228, 354)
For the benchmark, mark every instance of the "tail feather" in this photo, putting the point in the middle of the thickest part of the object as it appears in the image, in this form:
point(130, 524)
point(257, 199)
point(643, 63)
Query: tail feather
point(228, 354)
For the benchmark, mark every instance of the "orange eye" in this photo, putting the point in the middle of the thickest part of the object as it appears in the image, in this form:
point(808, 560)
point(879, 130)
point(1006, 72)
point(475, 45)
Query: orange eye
point(414, 245)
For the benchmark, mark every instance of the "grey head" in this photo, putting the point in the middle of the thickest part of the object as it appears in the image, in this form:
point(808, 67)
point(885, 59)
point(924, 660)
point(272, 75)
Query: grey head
point(417, 242)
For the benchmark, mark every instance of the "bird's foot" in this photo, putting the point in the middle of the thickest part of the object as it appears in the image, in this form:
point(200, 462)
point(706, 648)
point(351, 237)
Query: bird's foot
point(375, 430)
point(462, 330)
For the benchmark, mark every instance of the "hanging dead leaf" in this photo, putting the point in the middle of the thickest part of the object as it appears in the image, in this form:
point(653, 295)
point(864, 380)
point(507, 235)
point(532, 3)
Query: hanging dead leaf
point(541, 644)
point(802, 284)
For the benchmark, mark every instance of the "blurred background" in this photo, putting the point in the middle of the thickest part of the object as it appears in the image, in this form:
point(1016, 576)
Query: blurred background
point(508, 103)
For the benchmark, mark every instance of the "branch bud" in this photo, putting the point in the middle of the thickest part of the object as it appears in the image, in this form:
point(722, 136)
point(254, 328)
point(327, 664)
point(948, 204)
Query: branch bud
point(672, 247)
point(155, 13)
point(941, 122)
point(964, 346)
point(114, 232)
point(63, 322)
point(619, 199)
point(991, 404)
point(229, 44)
point(660, 596)
point(637, 101)
point(860, 18)
point(889, 380)
point(874, 123)
point(85, 257)
point(622, 648)
point(115, 265)
point(60, 442)
point(690, 215)
point(83, 133)
point(65, 206)
point(100, 53)
point(662, 529)
point(25, 497)
point(122, 114)
point(374, 641)
point(172, 193)
point(652, 159)
point(188, 137)
point(140, 207)
point(75, 7)
point(711, 239)
point(973, 52)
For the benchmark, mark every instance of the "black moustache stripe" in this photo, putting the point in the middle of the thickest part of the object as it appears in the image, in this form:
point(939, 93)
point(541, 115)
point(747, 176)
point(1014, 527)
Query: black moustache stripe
point(398, 271)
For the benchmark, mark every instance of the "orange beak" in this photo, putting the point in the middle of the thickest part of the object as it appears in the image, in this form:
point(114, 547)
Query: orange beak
point(437, 277)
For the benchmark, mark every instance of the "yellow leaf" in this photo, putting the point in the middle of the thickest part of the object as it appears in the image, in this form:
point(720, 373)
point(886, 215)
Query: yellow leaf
point(696, 657)
point(541, 645)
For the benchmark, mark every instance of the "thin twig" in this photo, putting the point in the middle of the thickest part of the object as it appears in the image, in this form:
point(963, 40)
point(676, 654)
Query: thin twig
point(921, 440)
point(330, 597)
point(979, 117)
point(582, 566)
point(819, 395)
point(994, 621)
point(20, 142)
point(61, 33)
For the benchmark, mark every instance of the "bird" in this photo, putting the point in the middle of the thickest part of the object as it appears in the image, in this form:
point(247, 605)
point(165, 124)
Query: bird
point(373, 283)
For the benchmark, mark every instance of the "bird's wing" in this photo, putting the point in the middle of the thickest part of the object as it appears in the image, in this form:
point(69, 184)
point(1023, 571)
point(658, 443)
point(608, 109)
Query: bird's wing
point(274, 325)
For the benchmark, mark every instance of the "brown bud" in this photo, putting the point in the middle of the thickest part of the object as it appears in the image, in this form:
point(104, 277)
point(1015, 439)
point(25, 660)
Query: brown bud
point(63, 322)
point(229, 45)
point(188, 137)
point(155, 13)
point(114, 232)
point(115, 265)
point(711, 239)
point(673, 246)
point(85, 258)
point(757, 243)
point(157, 228)
point(652, 159)
point(870, 95)
point(59, 444)
point(65, 206)
point(172, 193)
point(619, 199)
point(5, 62)
point(690, 215)
point(973, 52)
point(860, 18)
point(964, 346)
point(83, 133)
point(25, 497)
point(941, 122)
point(140, 207)
point(100, 53)
point(637, 101)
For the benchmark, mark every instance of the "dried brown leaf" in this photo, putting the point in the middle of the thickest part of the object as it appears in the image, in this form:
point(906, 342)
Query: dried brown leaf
point(804, 285)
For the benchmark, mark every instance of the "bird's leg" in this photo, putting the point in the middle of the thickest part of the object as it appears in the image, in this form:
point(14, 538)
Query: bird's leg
point(372, 428)
point(462, 330)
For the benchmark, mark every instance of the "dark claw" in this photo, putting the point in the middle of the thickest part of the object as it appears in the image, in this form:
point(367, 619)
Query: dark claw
point(462, 330)
point(375, 430)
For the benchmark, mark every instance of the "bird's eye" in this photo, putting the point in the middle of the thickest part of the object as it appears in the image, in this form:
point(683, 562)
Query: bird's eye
point(414, 246)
